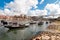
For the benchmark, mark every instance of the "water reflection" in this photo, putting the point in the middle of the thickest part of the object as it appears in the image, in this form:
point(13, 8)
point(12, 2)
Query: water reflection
point(22, 34)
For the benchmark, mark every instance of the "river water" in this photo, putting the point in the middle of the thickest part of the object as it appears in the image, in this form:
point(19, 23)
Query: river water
point(21, 34)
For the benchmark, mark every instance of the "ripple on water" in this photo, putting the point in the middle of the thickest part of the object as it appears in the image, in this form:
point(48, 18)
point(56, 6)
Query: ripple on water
point(21, 34)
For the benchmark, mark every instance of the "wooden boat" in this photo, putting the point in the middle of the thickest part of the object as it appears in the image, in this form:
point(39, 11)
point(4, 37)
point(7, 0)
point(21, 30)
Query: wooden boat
point(27, 24)
point(46, 22)
point(9, 26)
point(33, 22)
point(50, 22)
point(13, 25)
point(40, 23)
point(4, 22)
point(16, 26)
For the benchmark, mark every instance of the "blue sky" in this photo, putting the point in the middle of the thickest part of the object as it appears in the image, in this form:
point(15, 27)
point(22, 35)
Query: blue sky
point(40, 6)
point(3, 3)
point(29, 7)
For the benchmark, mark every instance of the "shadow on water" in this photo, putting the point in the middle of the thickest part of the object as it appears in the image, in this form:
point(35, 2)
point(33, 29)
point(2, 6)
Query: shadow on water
point(15, 29)
point(4, 37)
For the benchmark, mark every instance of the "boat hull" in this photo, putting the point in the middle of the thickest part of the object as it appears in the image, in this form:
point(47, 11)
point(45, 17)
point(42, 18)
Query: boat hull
point(11, 27)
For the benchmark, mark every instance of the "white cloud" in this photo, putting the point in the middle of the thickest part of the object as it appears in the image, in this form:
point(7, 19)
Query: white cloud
point(38, 12)
point(41, 12)
point(53, 8)
point(1, 12)
point(41, 1)
point(21, 6)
